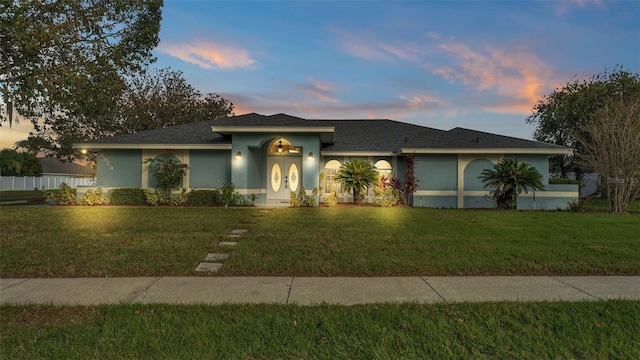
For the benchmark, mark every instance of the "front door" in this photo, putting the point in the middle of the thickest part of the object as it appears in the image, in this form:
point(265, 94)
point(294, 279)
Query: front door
point(284, 177)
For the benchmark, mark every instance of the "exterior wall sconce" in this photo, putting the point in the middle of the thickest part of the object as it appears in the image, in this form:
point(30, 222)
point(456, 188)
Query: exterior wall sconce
point(280, 147)
point(238, 155)
point(310, 156)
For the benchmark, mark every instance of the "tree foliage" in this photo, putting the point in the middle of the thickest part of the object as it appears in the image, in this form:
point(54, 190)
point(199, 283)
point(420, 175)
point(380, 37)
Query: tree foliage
point(357, 176)
point(70, 57)
point(162, 98)
point(612, 149)
point(153, 99)
point(13, 163)
point(508, 179)
point(560, 116)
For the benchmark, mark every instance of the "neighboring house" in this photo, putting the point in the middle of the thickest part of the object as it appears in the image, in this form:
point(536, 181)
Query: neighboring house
point(55, 172)
point(270, 156)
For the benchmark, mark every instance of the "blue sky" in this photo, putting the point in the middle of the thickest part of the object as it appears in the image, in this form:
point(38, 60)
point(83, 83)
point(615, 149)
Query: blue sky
point(474, 64)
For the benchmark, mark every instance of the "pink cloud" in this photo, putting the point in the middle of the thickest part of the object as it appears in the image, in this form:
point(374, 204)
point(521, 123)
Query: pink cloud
point(320, 90)
point(424, 102)
point(565, 6)
point(209, 55)
point(513, 73)
point(368, 48)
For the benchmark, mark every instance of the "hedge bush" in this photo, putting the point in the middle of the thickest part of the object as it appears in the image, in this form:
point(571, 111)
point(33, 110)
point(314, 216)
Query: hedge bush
point(64, 196)
point(92, 198)
point(204, 197)
point(127, 196)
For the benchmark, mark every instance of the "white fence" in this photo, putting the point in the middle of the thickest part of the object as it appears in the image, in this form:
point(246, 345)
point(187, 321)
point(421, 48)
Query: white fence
point(47, 182)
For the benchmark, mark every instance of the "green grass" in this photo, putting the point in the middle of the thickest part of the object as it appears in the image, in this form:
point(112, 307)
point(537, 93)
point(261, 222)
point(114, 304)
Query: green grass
point(15, 195)
point(412, 241)
point(74, 241)
point(602, 205)
point(560, 330)
point(164, 241)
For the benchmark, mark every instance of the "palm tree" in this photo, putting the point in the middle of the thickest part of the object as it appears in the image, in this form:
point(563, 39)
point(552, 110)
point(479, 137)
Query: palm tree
point(508, 179)
point(357, 175)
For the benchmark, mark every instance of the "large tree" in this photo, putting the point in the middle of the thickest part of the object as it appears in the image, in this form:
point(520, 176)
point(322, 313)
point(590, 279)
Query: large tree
point(153, 99)
point(560, 116)
point(612, 149)
point(13, 163)
point(162, 98)
point(70, 57)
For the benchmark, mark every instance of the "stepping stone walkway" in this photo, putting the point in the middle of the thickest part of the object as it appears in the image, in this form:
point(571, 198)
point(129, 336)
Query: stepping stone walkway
point(208, 267)
point(216, 266)
point(216, 257)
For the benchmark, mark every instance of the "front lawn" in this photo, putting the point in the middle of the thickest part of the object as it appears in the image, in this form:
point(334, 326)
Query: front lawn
point(170, 241)
point(78, 241)
point(558, 330)
point(413, 241)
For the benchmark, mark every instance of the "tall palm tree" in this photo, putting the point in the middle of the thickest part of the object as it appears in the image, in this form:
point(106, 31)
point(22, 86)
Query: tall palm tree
point(357, 175)
point(508, 179)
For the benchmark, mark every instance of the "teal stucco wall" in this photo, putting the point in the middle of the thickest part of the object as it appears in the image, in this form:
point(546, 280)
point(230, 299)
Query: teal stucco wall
point(471, 173)
point(436, 172)
point(209, 168)
point(119, 168)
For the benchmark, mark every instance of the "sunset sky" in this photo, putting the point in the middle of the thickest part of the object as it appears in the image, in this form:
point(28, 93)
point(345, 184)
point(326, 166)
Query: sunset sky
point(475, 64)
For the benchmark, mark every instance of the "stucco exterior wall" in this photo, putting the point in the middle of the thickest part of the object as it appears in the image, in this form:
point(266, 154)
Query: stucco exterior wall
point(119, 168)
point(209, 168)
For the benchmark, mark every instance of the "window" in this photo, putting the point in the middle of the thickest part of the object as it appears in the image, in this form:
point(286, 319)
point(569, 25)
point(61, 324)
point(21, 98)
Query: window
point(330, 170)
point(384, 168)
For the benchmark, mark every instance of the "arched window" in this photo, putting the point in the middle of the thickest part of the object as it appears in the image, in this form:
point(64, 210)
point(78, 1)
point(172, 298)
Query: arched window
point(330, 170)
point(283, 146)
point(384, 168)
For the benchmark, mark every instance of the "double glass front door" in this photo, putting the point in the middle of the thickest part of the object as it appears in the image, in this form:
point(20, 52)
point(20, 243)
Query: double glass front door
point(284, 177)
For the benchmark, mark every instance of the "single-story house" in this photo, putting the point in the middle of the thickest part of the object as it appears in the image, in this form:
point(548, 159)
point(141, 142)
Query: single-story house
point(270, 156)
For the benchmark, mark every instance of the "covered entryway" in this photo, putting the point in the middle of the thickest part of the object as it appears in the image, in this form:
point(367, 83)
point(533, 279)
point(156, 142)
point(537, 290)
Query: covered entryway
point(284, 164)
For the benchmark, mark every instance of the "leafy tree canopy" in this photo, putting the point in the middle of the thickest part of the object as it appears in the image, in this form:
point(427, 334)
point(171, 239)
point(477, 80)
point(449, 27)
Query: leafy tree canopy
point(66, 55)
point(561, 115)
point(162, 98)
point(13, 163)
point(153, 99)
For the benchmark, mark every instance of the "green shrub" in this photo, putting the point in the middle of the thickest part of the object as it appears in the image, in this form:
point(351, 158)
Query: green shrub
point(92, 198)
point(229, 197)
point(293, 199)
point(562, 181)
point(64, 196)
point(331, 200)
point(155, 198)
point(302, 199)
point(127, 196)
point(204, 197)
point(159, 197)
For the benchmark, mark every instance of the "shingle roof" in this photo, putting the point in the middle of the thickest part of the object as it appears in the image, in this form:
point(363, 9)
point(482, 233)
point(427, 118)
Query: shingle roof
point(350, 135)
point(55, 166)
point(193, 133)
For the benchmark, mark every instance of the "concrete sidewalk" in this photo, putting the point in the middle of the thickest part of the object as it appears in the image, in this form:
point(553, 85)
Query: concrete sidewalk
point(316, 290)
